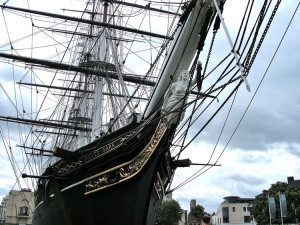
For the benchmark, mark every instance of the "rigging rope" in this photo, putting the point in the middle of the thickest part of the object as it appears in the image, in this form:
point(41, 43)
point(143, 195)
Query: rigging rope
point(146, 75)
point(11, 158)
point(31, 132)
point(246, 110)
point(263, 36)
point(215, 30)
point(194, 175)
point(240, 28)
point(262, 14)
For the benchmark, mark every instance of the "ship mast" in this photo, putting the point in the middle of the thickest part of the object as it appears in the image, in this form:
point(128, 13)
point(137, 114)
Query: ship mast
point(189, 39)
point(96, 84)
point(97, 114)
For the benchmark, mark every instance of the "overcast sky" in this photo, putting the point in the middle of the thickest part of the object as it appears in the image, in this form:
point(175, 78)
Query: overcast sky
point(266, 147)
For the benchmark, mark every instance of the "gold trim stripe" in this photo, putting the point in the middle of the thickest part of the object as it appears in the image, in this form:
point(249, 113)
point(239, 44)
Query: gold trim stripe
point(129, 169)
point(65, 167)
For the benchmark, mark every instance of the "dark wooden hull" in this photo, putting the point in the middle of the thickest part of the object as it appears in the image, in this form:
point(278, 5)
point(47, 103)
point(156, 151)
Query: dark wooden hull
point(129, 197)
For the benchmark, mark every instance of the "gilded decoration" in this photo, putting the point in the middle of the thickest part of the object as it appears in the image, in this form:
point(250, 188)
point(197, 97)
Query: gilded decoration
point(66, 167)
point(97, 153)
point(158, 185)
point(127, 170)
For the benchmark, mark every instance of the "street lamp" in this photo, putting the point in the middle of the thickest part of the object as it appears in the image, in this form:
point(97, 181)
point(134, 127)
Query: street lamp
point(295, 213)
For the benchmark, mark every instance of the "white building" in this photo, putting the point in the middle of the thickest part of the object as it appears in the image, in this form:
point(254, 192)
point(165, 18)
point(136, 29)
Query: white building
point(184, 218)
point(17, 207)
point(3, 210)
point(192, 204)
point(234, 211)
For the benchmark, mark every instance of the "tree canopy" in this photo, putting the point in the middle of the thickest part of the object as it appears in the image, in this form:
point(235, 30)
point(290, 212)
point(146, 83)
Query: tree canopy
point(169, 213)
point(260, 207)
point(197, 212)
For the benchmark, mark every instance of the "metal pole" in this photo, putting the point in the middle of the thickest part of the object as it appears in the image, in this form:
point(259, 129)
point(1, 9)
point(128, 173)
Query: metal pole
point(280, 209)
point(269, 211)
point(91, 22)
point(236, 56)
point(296, 219)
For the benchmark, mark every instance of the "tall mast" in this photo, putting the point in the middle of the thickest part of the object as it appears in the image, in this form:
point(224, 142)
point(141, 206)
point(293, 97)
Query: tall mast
point(97, 113)
point(85, 21)
point(99, 78)
point(195, 21)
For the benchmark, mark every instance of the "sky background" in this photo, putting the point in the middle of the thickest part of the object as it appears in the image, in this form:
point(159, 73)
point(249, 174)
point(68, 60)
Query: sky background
point(266, 147)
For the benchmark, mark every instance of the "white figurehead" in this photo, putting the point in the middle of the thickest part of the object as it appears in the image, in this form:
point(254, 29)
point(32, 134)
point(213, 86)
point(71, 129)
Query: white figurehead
point(174, 97)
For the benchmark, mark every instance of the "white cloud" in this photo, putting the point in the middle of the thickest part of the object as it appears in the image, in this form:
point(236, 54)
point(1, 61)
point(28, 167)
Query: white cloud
point(273, 120)
point(243, 173)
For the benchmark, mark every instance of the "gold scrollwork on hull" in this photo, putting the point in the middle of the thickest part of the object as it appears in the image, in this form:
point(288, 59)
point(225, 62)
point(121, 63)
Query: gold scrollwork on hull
point(126, 170)
point(63, 168)
point(158, 186)
point(97, 153)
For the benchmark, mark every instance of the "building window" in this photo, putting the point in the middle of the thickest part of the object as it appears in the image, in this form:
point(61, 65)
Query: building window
point(225, 213)
point(247, 219)
point(23, 211)
point(225, 220)
point(249, 209)
point(245, 209)
point(233, 209)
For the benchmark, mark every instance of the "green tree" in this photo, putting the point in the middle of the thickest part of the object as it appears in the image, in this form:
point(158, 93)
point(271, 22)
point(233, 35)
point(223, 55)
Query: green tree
point(169, 213)
point(197, 212)
point(260, 209)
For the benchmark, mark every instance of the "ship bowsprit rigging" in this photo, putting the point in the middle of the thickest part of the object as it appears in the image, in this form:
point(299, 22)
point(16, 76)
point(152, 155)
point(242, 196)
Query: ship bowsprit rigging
point(102, 95)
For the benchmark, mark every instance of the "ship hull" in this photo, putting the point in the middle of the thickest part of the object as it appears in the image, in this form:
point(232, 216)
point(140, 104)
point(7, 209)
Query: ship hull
point(131, 199)
point(123, 204)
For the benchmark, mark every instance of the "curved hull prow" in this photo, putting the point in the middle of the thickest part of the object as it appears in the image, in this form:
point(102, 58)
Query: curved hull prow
point(128, 191)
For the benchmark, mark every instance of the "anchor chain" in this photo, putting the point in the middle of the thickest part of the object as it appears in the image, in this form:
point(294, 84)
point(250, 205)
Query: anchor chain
point(215, 30)
point(260, 21)
point(209, 51)
point(263, 36)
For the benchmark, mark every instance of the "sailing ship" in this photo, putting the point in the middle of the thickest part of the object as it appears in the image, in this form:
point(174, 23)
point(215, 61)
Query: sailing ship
point(108, 118)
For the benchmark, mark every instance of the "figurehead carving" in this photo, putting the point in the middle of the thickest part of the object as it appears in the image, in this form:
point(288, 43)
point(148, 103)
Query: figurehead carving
point(175, 97)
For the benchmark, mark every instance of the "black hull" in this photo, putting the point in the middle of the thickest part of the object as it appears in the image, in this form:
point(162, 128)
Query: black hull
point(131, 201)
point(123, 204)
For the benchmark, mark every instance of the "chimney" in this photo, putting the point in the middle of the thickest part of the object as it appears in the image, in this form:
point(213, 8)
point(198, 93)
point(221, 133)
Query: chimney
point(192, 204)
point(290, 180)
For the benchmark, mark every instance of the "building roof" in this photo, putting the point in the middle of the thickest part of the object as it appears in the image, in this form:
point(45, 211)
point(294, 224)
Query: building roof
point(237, 199)
point(292, 181)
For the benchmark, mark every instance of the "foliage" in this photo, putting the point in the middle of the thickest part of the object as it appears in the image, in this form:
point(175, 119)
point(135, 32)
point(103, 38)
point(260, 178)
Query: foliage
point(260, 207)
point(169, 213)
point(197, 212)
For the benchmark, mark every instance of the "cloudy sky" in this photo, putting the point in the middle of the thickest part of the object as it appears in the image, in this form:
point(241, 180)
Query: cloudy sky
point(266, 146)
